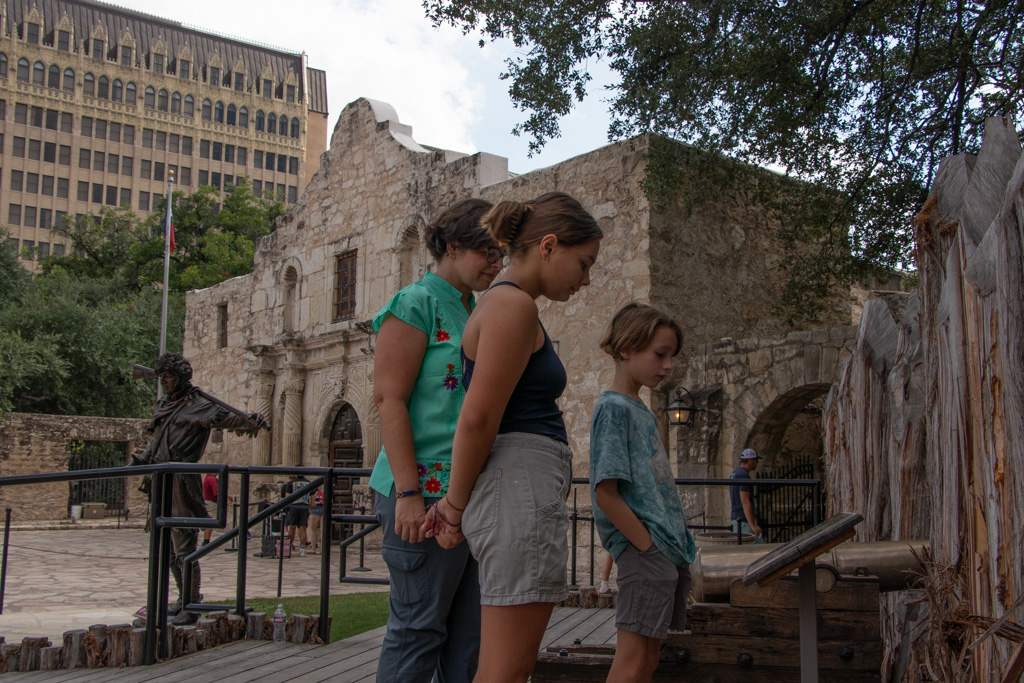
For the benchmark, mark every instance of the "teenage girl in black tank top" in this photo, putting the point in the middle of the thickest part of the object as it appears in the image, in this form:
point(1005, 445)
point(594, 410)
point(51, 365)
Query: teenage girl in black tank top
point(514, 378)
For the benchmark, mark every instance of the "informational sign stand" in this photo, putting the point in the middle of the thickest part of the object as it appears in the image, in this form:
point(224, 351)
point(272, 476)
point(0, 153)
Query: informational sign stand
point(799, 554)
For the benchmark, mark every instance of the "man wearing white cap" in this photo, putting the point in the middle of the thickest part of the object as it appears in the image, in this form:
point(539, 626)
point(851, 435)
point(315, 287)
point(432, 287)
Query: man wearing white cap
point(742, 497)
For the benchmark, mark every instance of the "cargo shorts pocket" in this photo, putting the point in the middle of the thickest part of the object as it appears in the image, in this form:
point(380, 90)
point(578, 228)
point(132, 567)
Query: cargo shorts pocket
point(481, 513)
point(409, 576)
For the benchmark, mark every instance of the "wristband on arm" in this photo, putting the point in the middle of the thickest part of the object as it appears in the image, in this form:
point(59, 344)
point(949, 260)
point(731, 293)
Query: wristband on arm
point(411, 492)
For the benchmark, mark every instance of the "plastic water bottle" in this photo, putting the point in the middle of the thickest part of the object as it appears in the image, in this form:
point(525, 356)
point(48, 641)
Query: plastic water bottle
point(279, 616)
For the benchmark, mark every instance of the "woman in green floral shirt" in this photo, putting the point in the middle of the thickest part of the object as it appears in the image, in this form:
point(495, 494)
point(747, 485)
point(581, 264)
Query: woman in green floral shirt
point(434, 622)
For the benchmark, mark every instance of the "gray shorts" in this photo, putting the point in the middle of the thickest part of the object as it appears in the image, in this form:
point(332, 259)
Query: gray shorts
point(516, 522)
point(652, 593)
point(211, 508)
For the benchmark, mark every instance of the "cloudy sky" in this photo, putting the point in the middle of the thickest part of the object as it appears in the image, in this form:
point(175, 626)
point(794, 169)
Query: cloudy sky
point(439, 81)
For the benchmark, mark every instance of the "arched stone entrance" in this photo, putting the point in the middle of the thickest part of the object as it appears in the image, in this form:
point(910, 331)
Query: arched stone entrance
point(345, 449)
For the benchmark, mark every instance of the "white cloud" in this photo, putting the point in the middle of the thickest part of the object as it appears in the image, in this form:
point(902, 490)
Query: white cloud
point(438, 80)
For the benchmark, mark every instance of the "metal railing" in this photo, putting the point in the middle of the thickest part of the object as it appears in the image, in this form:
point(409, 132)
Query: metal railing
point(162, 522)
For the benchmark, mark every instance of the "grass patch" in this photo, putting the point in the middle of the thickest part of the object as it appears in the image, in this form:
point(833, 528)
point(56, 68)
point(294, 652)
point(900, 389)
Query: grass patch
point(351, 614)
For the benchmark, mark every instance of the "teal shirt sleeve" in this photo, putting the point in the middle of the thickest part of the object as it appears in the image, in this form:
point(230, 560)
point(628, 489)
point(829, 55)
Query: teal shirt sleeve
point(410, 306)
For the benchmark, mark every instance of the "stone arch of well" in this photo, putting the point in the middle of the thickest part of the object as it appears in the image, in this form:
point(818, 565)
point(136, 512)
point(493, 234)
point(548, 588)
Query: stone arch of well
point(751, 391)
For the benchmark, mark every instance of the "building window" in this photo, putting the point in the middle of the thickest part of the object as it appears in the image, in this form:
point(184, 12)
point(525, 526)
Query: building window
point(293, 194)
point(32, 34)
point(186, 145)
point(23, 70)
point(117, 90)
point(111, 195)
point(222, 326)
point(14, 214)
point(283, 125)
point(58, 249)
point(289, 95)
point(345, 285)
point(126, 165)
point(64, 155)
point(129, 93)
point(243, 117)
point(69, 80)
point(147, 138)
point(204, 149)
point(63, 40)
point(207, 113)
point(161, 100)
point(158, 171)
point(268, 160)
point(53, 77)
point(259, 120)
point(34, 149)
point(173, 142)
point(103, 87)
point(129, 135)
point(145, 169)
point(239, 81)
point(240, 156)
point(113, 163)
point(185, 178)
point(32, 183)
point(115, 132)
point(97, 49)
point(295, 128)
point(100, 131)
point(62, 188)
point(218, 112)
point(52, 116)
point(66, 122)
point(18, 147)
point(50, 152)
point(293, 165)
point(89, 85)
point(150, 99)
point(204, 177)
point(218, 151)
point(257, 187)
point(21, 113)
point(268, 88)
point(83, 191)
point(126, 55)
point(282, 163)
point(190, 105)
point(17, 181)
point(271, 123)
point(126, 197)
point(143, 201)
point(158, 64)
point(28, 251)
point(231, 115)
point(38, 74)
point(44, 222)
point(176, 103)
point(97, 193)
point(36, 119)
point(229, 154)
point(184, 68)
point(215, 179)
point(86, 126)
point(257, 158)
point(161, 140)
point(214, 76)
point(98, 160)
point(29, 219)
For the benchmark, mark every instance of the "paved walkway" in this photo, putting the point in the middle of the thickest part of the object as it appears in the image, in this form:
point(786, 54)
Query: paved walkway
point(72, 578)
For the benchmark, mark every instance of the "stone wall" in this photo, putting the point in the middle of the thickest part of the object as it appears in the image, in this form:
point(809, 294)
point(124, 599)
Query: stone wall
point(38, 444)
point(712, 265)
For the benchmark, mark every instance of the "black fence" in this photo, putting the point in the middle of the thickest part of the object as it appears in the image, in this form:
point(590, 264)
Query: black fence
point(96, 455)
point(247, 514)
point(785, 511)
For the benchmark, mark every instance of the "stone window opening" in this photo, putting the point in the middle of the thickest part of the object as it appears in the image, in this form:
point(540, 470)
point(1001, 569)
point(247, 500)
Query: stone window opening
point(23, 70)
point(103, 87)
point(291, 289)
point(176, 103)
point(345, 285)
point(117, 90)
point(243, 117)
point(38, 74)
point(161, 100)
point(69, 80)
point(409, 257)
point(222, 326)
point(129, 93)
point(53, 77)
point(89, 85)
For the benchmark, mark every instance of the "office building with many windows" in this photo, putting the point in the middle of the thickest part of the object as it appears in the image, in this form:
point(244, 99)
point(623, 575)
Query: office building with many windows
point(100, 104)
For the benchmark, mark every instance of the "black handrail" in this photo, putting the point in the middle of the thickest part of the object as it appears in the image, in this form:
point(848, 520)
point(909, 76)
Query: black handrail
point(162, 522)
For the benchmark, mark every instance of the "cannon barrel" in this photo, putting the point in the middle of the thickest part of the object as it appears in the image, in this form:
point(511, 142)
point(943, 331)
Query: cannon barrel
point(893, 562)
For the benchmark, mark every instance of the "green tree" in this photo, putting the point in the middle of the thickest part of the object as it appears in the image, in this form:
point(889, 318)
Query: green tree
point(860, 98)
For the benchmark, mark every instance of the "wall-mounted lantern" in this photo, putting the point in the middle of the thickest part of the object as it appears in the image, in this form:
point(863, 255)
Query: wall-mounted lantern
point(682, 411)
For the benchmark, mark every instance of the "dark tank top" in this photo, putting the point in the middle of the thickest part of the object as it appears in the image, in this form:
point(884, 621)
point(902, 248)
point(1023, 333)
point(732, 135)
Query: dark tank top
point(533, 406)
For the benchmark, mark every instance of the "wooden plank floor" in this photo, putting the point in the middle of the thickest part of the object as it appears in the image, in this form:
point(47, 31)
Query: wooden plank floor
point(346, 661)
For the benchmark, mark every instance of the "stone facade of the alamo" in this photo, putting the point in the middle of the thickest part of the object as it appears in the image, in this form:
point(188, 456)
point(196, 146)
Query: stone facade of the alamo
point(287, 341)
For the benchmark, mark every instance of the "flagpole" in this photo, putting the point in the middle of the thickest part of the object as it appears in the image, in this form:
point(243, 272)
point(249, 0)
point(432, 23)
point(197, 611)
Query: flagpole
point(168, 226)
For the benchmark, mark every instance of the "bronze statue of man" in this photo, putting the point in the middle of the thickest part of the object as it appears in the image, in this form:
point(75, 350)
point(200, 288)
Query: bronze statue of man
point(182, 420)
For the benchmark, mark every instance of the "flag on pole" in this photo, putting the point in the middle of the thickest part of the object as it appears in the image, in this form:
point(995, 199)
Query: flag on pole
point(169, 227)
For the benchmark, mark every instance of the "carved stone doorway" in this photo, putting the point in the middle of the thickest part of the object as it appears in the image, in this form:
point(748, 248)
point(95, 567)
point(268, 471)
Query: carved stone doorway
point(346, 450)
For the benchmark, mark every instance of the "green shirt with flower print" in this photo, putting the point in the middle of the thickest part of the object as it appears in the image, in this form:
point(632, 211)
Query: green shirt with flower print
point(434, 307)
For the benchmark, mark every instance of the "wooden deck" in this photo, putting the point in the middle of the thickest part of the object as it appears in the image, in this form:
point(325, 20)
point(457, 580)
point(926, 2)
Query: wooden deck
point(346, 661)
